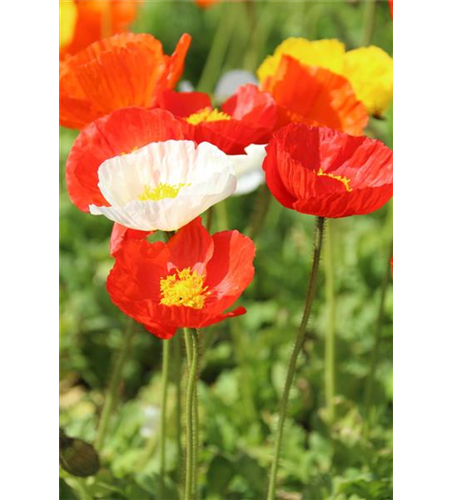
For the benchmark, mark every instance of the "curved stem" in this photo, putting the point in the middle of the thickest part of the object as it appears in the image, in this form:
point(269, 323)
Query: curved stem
point(113, 386)
point(165, 377)
point(318, 237)
point(369, 390)
point(330, 339)
point(191, 422)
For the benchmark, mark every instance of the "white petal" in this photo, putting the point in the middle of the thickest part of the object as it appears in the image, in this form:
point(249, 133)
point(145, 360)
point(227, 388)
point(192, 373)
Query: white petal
point(231, 81)
point(248, 168)
point(207, 172)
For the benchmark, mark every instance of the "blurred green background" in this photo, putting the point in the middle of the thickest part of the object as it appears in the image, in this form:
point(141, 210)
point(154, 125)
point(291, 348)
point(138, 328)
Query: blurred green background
point(244, 360)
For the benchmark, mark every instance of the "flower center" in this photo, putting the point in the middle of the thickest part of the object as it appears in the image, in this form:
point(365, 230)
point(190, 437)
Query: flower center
point(185, 288)
point(160, 192)
point(207, 115)
point(345, 180)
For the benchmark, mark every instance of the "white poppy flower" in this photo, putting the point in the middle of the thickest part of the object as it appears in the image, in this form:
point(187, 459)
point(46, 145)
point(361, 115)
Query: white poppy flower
point(164, 185)
point(248, 168)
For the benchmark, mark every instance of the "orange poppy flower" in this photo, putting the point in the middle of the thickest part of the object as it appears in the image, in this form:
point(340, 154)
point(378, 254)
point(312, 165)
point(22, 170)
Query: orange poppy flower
point(247, 117)
point(120, 71)
point(323, 172)
point(96, 19)
point(315, 96)
point(121, 132)
point(188, 282)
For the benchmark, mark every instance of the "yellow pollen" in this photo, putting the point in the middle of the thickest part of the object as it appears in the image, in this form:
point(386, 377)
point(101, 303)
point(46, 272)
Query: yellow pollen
point(160, 192)
point(345, 180)
point(185, 288)
point(131, 151)
point(207, 115)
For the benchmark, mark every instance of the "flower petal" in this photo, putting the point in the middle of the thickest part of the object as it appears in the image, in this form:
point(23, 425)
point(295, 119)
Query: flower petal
point(120, 132)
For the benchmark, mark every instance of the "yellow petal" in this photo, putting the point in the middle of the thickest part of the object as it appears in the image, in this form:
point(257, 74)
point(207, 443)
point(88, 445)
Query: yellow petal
point(369, 70)
point(68, 19)
point(324, 53)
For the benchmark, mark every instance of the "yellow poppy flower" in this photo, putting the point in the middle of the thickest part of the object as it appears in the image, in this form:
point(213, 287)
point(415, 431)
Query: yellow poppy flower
point(369, 70)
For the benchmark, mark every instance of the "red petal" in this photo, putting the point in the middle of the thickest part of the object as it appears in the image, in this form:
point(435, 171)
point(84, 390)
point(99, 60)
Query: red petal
point(253, 106)
point(297, 153)
point(192, 246)
point(120, 132)
point(120, 234)
point(177, 60)
point(230, 269)
point(183, 104)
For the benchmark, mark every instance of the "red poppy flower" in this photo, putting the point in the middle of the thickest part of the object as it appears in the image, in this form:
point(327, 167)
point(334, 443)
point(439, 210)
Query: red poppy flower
point(324, 172)
point(120, 132)
point(315, 96)
point(390, 8)
point(120, 71)
point(97, 19)
point(120, 234)
point(247, 117)
point(188, 282)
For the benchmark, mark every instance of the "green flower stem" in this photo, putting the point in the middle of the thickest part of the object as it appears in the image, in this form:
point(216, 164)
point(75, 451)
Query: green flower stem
point(81, 489)
point(188, 346)
point(318, 238)
point(240, 350)
point(260, 211)
point(268, 17)
point(220, 43)
point(209, 218)
point(113, 386)
point(221, 211)
point(177, 345)
point(195, 410)
point(192, 430)
point(370, 10)
point(165, 376)
point(369, 390)
point(330, 339)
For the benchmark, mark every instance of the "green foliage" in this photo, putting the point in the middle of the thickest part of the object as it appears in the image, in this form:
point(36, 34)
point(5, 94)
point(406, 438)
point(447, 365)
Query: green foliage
point(244, 360)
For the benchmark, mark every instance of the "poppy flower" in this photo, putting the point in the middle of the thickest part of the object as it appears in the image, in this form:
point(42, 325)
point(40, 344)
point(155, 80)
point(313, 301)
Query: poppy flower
point(315, 96)
point(324, 172)
point(164, 185)
point(120, 132)
point(391, 7)
point(368, 69)
point(247, 117)
point(188, 282)
point(93, 20)
point(117, 72)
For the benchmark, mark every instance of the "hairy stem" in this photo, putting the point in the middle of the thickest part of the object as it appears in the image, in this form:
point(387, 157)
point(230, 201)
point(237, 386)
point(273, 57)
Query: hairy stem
point(165, 377)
